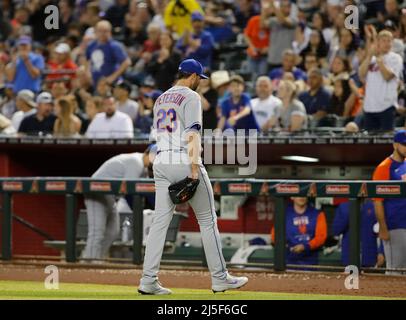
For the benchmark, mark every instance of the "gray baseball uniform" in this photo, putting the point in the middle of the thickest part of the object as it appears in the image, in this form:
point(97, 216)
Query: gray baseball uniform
point(102, 215)
point(177, 111)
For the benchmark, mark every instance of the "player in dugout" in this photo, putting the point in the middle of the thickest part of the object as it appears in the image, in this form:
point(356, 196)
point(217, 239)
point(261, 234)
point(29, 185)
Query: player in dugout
point(372, 252)
point(391, 213)
point(306, 232)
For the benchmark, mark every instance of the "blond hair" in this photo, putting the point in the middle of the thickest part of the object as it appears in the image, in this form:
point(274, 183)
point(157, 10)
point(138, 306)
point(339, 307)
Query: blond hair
point(291, 86)
point(65, 125)
point(385, 34)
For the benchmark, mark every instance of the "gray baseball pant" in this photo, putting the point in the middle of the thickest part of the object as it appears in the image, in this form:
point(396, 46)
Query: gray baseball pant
point(103, 225)
point(395, 250)
point(203, 206)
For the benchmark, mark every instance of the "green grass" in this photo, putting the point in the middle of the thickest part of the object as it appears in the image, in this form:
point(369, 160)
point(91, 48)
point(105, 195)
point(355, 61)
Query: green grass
point(36, 290)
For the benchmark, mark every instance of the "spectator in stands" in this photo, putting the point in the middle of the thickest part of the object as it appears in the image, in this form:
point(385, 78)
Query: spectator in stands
point(148, 85)
point(140, 10)
point(66, 124)
point(8, 102)
point(353, 105)
point(257, 39)
point(341, 93)
point(372, 254)
point(209, 98)
point(398, 46)
point(318, 46)
point(94, 105)
point(320, 23)
point(5, 27)
point(381, 69)
point(282, 27)
point(317, 98)
point(103, 88)
point(306, 232)
point(152, 43)
point(122, 91)
point(289, 60)
point(149, 47)
point(79, 53)
point(58, 89)
point(402, 25)
point(236, 111)
point(265, 105)
point(90, 16)
point(336, 17)
point(62, 67)
point(115, 14)
point(310, 62)
point(346, 47)
point(145, 116)
point(66, 11)
point(25, 68)
point(6, 128)
point(26, 106)
point(164, 63)
point(177, 15)
point(198, 44)
point(4, 60)
point(106, 57)
point(244, 11)
point(391, 213)
point(340, 68)
point(291, 114)
point(158, 8)
point(110, 124)
point(219, 81)
point(42, 122)
point(134, 35)
point(391, 12)
point(20, 20)
point(302, 36)
point(82, 88)
point(219, 20)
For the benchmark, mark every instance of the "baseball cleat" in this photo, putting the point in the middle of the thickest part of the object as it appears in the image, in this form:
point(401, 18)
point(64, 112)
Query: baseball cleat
point(154, 289)
point(230, 283)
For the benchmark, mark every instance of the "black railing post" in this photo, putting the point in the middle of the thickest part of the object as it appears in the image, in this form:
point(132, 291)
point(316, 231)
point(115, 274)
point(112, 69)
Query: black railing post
point(138, 228)
point(280, 234)
point(355, 230)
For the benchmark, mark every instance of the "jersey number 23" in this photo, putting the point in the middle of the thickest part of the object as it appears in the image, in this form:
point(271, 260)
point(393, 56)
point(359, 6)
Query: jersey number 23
point(166, 120)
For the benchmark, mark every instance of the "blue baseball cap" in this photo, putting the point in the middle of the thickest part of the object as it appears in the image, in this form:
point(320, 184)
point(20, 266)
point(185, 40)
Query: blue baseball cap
point(154, 94)
point(192, 66)
point(197, 16)
point(24, 40)
point(400, 137)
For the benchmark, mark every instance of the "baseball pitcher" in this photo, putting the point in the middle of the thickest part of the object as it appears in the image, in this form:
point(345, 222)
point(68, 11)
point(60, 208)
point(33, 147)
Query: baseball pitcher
point(178, 126)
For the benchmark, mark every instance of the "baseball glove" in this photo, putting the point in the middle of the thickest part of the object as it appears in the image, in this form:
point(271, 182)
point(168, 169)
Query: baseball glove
point(183, 190)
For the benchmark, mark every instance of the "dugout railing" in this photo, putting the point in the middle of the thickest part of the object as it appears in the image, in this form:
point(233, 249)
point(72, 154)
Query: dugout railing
point(73, 187)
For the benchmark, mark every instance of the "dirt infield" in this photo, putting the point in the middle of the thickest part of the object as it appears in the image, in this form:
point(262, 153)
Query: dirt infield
point(305, 282)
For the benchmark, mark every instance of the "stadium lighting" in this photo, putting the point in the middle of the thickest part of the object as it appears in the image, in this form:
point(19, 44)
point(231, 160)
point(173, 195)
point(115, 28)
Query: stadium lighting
point(300, 159)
